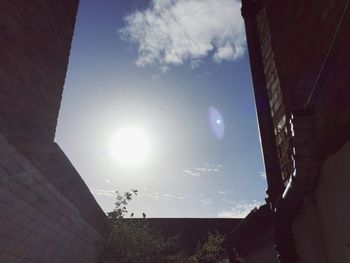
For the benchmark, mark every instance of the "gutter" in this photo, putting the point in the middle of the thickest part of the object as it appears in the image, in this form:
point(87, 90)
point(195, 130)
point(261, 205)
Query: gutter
point(275, 186)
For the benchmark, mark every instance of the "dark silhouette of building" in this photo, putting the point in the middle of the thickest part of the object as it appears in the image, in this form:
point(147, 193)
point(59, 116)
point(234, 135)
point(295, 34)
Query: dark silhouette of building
point(47, 213)
point(299, 54)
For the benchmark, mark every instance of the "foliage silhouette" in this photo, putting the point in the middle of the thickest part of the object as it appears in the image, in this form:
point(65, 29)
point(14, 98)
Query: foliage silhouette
point(134, 240)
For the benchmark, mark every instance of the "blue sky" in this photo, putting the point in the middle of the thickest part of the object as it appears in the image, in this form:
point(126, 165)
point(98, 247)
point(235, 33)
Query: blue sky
point(160, 66)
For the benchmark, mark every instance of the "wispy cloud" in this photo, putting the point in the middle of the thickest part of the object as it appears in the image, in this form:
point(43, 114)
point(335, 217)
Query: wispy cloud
point(155, 196)
point(206, 201)
point(110, 193)
point(169, 196)
point(170, 32)
point(263, 175)
point(225, 192)
point(200, 171)
point(239, 210)
point(192, 173)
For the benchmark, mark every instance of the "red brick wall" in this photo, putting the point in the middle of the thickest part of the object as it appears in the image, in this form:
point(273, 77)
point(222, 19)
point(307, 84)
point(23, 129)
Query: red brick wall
point(277, 98)
point(35, 44)
point(301, 35)
point(295, 37)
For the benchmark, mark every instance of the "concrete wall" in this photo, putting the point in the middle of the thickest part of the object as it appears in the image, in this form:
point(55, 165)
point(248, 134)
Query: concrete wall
point(333, 206)
point(37, 222)
point(322, 228)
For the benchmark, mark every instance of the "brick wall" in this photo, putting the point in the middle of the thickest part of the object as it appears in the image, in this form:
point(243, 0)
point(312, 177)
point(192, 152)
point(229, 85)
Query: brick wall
point(301, 35)
point(47, 213)
point(51, 161)
point(279, 113)
point(35, 44)
point(37, 222)
point(303, 71)
point(295, 38)
point(305, 48)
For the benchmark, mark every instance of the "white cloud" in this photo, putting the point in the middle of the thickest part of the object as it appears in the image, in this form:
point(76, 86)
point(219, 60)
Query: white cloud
point(200, 171)
point(225, 192)
point(240, 210)
point(168, 196)
point(153, 196)
point(110, 193)
point(206, 201)
point(192, 173)
point(171, 32)
point(207, 169)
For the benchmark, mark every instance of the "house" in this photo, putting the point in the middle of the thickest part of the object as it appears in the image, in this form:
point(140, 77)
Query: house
point(299, 54)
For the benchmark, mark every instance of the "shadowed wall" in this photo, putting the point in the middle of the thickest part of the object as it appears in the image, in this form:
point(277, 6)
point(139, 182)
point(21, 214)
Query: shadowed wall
point(305, 53)
point(47, 213)
point(35, 44)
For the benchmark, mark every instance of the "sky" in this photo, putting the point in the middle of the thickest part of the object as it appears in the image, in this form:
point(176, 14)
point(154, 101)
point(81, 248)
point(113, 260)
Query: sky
point(177, 72)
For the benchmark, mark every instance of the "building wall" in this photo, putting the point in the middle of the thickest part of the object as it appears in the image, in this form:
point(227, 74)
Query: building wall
point(47, 213)
point(37, 222)
point(259, 247)
point(307, 232)
point(305, 66)
point(51, 161)
point(35, 42)
point(264, 252)
point(295, 39)
point(333, 207)
point(301, 37)
point(322, 227)
point(278, 110)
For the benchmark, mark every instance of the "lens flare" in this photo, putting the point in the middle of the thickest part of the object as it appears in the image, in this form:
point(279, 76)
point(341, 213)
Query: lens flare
point(216, 122)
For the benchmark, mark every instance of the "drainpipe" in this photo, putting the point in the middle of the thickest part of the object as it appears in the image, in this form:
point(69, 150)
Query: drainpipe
point(250, 9)
point(307, 164)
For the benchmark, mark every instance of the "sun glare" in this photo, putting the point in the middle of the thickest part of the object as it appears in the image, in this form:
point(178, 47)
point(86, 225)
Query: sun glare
point(130, 146)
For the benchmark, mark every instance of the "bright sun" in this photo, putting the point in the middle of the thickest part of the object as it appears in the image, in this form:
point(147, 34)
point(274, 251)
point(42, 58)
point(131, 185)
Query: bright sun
point(130, 146)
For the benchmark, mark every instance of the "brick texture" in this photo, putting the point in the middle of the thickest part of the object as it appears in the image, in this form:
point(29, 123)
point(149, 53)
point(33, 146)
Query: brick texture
point(295, 38)
point(277, 103)
point(35, 43)
point(37, 222)
point(47, 213)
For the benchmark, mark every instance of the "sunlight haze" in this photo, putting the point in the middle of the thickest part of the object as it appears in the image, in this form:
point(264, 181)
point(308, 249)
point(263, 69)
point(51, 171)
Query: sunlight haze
point(164, 106)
